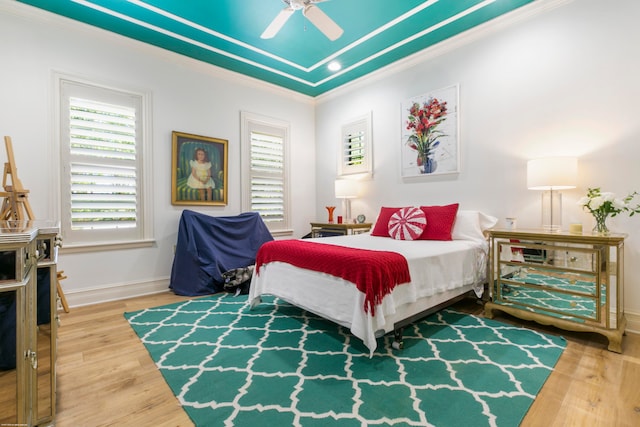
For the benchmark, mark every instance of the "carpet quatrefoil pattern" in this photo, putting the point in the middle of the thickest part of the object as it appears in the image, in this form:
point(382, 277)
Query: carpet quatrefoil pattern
point(278, 365)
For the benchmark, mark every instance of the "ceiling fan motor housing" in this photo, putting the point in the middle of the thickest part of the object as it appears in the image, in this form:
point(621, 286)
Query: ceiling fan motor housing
point(299, 4)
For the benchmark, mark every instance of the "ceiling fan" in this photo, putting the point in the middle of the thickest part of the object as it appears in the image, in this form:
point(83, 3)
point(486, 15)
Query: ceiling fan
point(317, 17)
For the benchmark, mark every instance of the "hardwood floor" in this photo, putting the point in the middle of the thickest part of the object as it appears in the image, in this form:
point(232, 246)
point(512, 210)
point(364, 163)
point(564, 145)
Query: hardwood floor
point(106, 377)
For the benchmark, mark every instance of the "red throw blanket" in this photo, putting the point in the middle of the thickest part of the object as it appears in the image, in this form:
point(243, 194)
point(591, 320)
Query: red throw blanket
point(375, 273)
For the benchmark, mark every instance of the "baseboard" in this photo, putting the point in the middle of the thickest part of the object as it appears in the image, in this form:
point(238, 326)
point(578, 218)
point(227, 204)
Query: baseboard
point(115, 292)
point(633, 322)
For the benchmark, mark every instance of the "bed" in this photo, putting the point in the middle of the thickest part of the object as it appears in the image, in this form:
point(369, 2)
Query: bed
point(441, 271)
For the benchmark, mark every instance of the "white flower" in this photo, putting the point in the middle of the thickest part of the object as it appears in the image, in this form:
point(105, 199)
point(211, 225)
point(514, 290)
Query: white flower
point(596, 202)
point(602, 204)
point(619, 204)
point(584, 201)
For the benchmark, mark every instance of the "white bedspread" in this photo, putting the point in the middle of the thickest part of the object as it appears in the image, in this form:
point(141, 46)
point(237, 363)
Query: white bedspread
point(438, 269)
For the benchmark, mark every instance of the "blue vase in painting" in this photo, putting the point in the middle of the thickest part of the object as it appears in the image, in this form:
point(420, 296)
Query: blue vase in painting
point(430, 165)
point(426, 164)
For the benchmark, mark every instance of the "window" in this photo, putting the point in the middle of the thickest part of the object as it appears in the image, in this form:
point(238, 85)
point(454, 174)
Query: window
point(355, 152)
point(102, 152)
point(265, 170)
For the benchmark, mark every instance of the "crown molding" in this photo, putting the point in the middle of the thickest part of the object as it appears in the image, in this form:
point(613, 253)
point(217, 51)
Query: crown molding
point(498, 24)
point(35, 15)
point(472, 35)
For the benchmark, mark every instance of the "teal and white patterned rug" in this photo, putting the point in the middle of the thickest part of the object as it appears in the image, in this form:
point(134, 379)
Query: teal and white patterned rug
point(278, 365)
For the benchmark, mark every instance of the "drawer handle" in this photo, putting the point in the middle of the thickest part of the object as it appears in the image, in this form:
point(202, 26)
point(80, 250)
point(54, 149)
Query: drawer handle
point(33, 358)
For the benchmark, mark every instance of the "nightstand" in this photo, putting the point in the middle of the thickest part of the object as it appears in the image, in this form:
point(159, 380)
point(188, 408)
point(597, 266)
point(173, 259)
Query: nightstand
point(572, 281)
point(321, 229)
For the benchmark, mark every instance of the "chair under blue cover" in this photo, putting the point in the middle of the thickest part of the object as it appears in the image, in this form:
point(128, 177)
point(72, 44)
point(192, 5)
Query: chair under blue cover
point(208, 246)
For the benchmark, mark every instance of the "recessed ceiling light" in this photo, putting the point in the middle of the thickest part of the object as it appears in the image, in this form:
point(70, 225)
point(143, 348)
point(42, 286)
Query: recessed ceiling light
point(334, 66)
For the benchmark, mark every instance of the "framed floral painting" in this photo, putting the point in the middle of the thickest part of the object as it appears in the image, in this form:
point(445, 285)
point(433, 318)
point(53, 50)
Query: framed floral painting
point(199, 165)
point(430, 140)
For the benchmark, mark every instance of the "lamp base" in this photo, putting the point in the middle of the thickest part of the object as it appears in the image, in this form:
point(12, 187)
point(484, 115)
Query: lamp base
point(552, 210)
point(346, 210)
point(551, 228)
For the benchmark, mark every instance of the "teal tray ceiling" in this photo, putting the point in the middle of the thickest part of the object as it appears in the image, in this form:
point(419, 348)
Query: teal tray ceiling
point(226, 33)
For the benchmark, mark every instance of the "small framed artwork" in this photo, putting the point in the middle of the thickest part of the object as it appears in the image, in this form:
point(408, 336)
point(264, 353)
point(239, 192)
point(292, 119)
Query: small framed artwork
point(430, 134)
point(199, 165)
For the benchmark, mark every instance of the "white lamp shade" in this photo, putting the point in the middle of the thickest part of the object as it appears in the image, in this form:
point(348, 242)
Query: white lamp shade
point(347, 189)
point(552, 173)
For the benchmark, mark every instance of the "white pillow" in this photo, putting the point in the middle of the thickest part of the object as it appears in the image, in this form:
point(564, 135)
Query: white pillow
point(469, 225)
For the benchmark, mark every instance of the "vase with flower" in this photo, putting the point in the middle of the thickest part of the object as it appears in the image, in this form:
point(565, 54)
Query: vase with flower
point(602, 205)
point(423, 121)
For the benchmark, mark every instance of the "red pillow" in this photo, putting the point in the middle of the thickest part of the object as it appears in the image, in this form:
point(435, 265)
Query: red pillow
point(382, 224)
point(440, 221)
point(407, 224)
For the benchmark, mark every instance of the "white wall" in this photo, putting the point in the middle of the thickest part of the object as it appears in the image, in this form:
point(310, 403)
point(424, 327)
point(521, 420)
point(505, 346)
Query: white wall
point(188, 96)
point(555, 78)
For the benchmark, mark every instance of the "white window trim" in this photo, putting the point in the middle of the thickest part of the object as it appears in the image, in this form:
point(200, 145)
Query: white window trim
point(146, 238)
point(247, 121)
point(363, 124)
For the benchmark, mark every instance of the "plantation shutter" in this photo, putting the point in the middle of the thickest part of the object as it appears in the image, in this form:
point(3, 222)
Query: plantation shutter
point(102, 142)
point(355, 150)
point(265, 170)
point(103, 167)
point(268, 177)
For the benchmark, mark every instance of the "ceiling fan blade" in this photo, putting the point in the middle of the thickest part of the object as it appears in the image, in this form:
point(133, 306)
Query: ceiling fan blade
point(322, 21)
point(277, 23)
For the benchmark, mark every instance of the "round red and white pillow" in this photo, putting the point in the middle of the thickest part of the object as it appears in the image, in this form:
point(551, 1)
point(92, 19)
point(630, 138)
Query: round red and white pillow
point(407, 224)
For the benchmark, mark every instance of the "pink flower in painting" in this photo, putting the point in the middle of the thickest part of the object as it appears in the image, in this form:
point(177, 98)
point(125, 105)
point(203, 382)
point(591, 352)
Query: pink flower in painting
point(423, 121)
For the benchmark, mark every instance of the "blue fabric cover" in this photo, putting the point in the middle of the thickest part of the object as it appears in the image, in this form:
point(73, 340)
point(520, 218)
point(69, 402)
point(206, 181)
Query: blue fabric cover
point(208, 246)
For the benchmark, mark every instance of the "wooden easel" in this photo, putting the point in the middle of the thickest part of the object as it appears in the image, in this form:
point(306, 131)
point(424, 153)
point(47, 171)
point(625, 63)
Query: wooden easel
point(16, 204)
point(15, 196)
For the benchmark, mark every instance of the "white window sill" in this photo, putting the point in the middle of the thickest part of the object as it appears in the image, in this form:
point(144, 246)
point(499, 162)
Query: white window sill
point(106, 246)
point(281, 233)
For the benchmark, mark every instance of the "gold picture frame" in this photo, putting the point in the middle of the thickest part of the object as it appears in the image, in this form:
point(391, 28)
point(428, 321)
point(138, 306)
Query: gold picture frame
point(199, 170)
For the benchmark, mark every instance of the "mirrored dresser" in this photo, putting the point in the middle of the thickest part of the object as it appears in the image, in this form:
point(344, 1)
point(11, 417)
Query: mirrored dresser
point(572, 281)
point(28, 322)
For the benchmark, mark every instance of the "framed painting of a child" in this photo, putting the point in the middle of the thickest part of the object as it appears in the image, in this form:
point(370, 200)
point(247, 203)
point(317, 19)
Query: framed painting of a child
point(199, 165)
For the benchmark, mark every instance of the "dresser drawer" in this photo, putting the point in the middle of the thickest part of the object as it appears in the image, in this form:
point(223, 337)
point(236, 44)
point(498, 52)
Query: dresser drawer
point(564, 281)
point(576, 257)
point(570, 306)
point(14, 265)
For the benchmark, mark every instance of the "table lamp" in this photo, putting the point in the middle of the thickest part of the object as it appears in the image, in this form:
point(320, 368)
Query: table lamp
point(347, 189)
point(551, 175)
